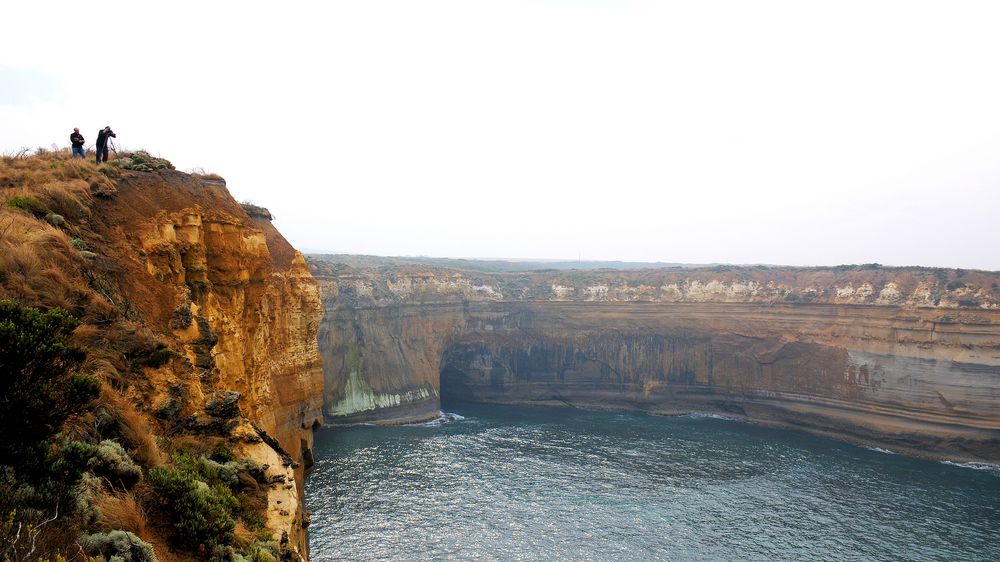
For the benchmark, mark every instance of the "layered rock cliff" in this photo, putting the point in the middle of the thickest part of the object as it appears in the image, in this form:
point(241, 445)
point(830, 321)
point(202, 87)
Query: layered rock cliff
point(200, 320)
point(902, 358)
point(243, 308)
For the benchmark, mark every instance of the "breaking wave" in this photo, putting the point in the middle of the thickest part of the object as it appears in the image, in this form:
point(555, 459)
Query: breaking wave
point(994, 468)
point(443, 418)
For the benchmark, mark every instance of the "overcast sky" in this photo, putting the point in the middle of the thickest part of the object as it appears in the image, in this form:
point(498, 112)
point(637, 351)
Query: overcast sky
point(745, 132)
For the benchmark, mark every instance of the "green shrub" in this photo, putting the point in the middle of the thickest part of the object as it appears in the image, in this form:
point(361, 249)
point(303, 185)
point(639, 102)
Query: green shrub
point(222, 453)
point(263, 552)
point(198, 495)
point(86, 493)
point(107, 459)
point(118, 546)
point(142, 161)
point(29, 204)
point(259, 552)
point(158, 357)
point(256, 211)
point(203, 514)
point(110, 460)
point(39, 387)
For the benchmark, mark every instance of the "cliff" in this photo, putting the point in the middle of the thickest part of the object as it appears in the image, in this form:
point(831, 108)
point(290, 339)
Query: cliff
point(239, 302)
point(200, 319)
point(902, 358)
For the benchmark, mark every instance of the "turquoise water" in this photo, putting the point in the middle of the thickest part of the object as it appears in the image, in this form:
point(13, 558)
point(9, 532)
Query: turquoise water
point(509, 483)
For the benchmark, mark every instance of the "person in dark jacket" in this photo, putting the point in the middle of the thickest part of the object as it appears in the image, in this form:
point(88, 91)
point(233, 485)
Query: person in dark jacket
point(103, 137)
point(76, 139)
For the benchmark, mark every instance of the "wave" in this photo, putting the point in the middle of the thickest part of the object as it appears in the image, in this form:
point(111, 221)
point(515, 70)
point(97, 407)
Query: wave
point(704, 415)
point(881, 450)
point(994, 468)
point(443, 418)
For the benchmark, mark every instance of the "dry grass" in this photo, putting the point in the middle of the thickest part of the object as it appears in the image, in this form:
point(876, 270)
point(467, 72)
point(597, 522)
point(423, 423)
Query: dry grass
point(195, 444)
point(38, 266)
point(244, 536)
point(69, 198)
point(51, 167)
point(121, 510)
point(208, 176)
point(135, 430)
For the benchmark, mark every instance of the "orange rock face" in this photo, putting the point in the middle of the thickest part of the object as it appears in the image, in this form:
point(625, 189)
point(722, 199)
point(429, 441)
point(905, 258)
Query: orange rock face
point(238, 301)
point(907, 359)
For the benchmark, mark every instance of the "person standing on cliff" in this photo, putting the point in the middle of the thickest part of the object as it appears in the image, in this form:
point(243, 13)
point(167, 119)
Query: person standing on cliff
point(103, 136)
point(76, 140)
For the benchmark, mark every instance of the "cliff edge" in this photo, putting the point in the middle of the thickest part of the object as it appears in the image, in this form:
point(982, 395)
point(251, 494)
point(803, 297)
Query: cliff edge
point(200, 320)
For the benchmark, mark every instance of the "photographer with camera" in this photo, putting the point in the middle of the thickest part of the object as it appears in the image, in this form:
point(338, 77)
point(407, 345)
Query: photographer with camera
point(103, 138)
point(76, 140)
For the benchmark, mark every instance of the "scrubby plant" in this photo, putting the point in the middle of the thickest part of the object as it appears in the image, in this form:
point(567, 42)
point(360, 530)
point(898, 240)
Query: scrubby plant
point(141, 161)
point(39, 385)
point(29, 204)
point(107, 459)
point(222, 453)
point(158, 357)
point(198, 494)
point(264, 551)
point(55, 219)
point(118, 546)
point(256, 211)
point(39, 390)
point(87, 493)
point(202, 514)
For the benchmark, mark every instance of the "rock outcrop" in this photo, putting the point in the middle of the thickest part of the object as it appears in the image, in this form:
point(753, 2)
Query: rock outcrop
point(902, 358)
point(240, 305)
point(200, 322)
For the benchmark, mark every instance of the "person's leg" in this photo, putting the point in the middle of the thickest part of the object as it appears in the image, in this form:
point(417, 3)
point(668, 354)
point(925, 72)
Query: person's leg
point(97, 153)
point(104, 156)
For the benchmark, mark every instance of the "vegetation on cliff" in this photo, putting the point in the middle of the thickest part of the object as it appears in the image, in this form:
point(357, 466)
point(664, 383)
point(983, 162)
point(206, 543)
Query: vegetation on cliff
point(88, 466)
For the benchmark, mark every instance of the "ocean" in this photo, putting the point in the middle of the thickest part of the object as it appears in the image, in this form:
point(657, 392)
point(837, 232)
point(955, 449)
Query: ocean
point(518, 483)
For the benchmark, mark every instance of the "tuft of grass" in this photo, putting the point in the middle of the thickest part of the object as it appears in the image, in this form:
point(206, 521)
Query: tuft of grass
point(29, 204)
point(210, 176)
point(134, 429)
point(121, 510)
point(256, 211)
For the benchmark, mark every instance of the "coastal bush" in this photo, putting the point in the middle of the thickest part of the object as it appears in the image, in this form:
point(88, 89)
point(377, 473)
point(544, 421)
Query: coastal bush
point(109, 460)
point(29, 204)
point(40, 389)
point(256, 211)
point(141, 161)
point(39, 385)
point(200, 496)
point(118, 546)
point(259, 552)
point(201, 514)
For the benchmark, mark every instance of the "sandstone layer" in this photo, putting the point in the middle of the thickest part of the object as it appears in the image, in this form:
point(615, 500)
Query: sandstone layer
point(238, 303)
point(902, 358)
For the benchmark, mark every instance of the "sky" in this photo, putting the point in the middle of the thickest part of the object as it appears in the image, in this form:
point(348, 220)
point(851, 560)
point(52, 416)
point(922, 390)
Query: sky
point(799, 133)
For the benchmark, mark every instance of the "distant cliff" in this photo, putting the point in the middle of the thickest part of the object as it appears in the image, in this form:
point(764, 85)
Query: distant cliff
point(201, 321)
point(903, 358)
